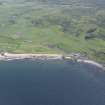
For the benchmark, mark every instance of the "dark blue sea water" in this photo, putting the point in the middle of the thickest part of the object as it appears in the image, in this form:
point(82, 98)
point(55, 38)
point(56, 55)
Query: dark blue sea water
point(26, 82)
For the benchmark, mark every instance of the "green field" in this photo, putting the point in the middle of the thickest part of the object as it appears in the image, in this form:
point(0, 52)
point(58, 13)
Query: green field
point(30, 27)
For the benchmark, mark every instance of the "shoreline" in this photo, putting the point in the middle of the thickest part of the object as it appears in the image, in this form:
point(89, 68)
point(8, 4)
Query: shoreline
point(10, 56)
point(75, 57)
point(92, 63)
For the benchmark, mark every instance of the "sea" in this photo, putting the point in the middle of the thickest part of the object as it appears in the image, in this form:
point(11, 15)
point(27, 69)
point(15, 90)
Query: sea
point(51, 82)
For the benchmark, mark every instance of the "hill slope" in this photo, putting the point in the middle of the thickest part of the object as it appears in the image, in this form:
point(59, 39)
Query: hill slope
point(48, 26)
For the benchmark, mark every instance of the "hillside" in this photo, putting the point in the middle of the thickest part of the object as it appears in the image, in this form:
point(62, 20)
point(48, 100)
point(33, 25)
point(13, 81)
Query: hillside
point(53, 26)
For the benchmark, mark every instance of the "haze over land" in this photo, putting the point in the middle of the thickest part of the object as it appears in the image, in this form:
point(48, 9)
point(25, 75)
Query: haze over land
point(53, 26)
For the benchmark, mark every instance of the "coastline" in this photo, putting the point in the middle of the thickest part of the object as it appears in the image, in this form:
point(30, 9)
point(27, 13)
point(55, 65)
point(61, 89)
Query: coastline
point(92, 63)
point(74, 56)
point(10, 56)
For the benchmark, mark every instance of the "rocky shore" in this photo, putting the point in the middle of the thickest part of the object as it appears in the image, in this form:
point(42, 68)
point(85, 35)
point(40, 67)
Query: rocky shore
point(76, 57)
point(9, 56)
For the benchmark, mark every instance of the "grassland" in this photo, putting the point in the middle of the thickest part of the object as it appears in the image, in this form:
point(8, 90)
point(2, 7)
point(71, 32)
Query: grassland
point(37, 28)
